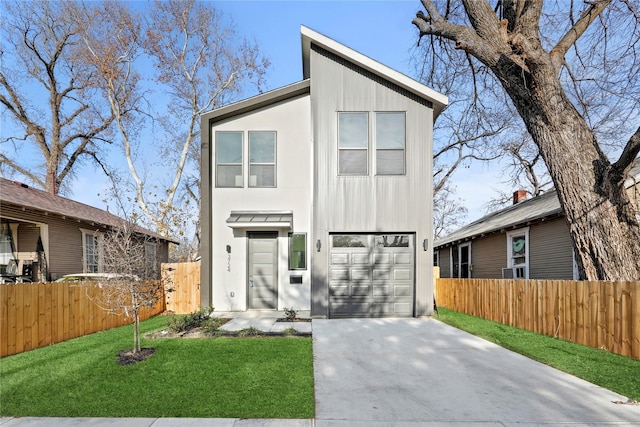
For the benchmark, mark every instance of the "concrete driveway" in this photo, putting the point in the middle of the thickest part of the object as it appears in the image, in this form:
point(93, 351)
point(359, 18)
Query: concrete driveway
point(406, 372)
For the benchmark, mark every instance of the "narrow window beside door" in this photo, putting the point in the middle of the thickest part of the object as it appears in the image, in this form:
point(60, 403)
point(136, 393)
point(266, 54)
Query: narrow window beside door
point(297, 251)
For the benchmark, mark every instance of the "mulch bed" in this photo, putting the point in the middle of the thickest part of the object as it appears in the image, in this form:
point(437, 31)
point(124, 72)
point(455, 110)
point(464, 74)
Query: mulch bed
point(128, 357)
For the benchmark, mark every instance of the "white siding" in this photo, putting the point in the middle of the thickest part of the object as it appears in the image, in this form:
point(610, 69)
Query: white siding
point(290, 120)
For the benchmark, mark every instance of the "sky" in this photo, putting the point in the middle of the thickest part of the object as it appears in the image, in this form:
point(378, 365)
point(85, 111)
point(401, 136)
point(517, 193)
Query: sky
point(381, 30)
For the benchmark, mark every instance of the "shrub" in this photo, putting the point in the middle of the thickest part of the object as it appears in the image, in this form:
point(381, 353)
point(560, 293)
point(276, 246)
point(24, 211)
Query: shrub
point(190, 321)
point(249, 332)
point(290, 314)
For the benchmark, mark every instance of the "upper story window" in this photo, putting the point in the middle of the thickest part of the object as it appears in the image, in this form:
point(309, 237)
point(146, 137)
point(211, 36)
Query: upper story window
point(353, 143)
point(262, 159)
point(229, 172)
point(390, 143)
point(388, 139)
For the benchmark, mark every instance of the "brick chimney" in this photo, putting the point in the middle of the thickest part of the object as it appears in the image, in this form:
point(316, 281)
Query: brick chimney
point(519, 196)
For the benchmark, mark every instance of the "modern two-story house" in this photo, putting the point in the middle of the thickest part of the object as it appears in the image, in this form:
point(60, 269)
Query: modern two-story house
point(317, 196)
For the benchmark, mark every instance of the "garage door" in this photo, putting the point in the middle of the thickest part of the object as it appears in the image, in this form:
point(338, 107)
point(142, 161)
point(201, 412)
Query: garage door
point(371, 275)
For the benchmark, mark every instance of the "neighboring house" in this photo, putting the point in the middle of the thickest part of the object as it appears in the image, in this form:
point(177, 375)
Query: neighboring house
point(316, 196)
point(528, 240)
point(45, 236)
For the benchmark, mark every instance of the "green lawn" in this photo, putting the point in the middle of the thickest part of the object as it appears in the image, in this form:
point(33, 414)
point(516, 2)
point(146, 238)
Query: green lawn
point(611, 371)
point(221, 377)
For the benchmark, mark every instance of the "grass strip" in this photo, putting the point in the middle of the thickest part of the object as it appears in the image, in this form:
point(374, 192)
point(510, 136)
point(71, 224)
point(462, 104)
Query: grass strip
point(195, 377)
point(609, 370)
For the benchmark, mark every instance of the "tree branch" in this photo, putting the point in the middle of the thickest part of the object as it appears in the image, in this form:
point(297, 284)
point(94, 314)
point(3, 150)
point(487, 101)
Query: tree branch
point(576, 31)
point(629, 153)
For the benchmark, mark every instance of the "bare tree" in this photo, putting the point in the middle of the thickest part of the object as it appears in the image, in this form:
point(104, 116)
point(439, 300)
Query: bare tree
point(571, 74)
point(49, 93)
point(448, 212)
point(134, 282)
point(203, 63)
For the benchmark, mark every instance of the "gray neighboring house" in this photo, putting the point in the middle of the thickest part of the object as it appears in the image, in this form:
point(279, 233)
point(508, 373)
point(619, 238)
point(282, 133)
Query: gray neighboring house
point(45, 236)
point(528, 240)
point(317, 196)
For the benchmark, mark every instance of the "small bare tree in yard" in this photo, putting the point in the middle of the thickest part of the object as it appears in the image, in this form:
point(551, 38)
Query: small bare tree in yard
point(135, 284)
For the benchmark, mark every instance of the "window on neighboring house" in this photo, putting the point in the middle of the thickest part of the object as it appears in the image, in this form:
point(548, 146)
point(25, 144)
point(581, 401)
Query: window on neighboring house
point(262, 159)
point(353, 143)
point(436, 258)
point(151, 264)
point(297, 251)
point(518, 253)
point(390, 143)
point(6, 247)
point(91, 251)
point(229, 171)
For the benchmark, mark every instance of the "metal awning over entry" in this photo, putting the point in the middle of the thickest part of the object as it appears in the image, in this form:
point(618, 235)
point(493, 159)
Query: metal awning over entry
point(260, 219)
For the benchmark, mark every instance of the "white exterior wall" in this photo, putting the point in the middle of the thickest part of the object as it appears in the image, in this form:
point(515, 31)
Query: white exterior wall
point(290, 119)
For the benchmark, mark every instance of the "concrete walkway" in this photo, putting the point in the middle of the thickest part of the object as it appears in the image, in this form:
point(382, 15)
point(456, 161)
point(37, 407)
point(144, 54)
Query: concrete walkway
point(409, 373)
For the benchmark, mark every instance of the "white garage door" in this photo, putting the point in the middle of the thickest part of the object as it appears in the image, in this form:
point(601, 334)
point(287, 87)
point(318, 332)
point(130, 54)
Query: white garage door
point(371, 275)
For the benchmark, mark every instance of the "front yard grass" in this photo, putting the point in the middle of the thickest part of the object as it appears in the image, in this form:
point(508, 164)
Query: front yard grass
point(609, 370)
point(186, 377)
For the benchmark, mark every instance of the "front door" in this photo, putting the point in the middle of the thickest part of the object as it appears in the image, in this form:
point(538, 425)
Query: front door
point(263, 270)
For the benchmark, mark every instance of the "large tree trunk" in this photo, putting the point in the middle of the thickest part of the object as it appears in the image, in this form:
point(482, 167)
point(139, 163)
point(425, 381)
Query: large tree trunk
point(598, 211)
point(601, 219)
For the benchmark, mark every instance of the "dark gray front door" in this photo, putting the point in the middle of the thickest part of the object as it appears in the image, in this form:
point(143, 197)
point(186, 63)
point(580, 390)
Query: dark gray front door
point(263, 270)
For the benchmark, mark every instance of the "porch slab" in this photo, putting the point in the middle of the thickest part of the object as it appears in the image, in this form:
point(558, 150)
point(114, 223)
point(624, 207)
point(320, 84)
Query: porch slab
point(265, 321)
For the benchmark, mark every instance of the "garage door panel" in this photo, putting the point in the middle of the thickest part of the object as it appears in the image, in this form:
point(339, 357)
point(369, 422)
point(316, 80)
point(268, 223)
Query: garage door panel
point(381, 274)
point(360, 258)
point(402, 290)
point(339, 259)
point(339, 274)
point(382, 290)
point(382, 258)
point(360, 274)
point(338, 290)
point(402, 274)
point(402, 258)
point(360, 290)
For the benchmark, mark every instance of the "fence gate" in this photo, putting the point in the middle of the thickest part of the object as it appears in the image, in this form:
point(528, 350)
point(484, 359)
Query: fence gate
point(181, 282)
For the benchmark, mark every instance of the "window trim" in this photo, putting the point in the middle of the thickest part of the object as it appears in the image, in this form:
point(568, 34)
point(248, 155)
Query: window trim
point(404, 146)
point(98, 235)
point(290, 235)
point(510, 235)
point(275, 159)
point(217, 164)
point(366, 149)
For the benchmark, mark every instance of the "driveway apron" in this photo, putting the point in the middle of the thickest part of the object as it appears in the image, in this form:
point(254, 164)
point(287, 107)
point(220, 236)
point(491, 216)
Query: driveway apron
point(375, 372)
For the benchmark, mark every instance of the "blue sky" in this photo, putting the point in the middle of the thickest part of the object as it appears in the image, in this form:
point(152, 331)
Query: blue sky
point(381, 30)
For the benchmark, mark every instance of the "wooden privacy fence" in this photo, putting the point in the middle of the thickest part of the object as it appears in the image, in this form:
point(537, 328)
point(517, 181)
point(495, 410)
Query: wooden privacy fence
point(34, 315)
point(598, 314)
point(181, 282)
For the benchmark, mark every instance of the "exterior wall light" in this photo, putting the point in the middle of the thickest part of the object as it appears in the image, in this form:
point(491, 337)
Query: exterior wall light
point(318, 245)
point(425, 244)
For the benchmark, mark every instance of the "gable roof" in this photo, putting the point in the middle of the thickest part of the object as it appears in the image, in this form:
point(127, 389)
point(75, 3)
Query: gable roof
point(22, 195)
point(538, 209)
point(438, 100)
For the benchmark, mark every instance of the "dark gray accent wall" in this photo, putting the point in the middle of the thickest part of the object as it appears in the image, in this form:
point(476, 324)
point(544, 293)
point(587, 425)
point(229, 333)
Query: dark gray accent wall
point(368, 203)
